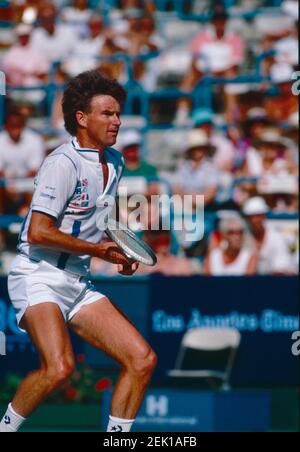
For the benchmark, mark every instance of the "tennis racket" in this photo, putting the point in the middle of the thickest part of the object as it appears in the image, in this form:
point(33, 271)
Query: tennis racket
point(131, 245)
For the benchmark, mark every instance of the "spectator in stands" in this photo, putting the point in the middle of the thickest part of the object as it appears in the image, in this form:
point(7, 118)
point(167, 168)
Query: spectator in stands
point(272, 163)
point(168, 264)
point(287, 48)
point(27, 11)
point(85, 56)
point(223, 157)
point(147, 5)
point(231, 257)
point(56, 41)
point(282, 106)
point(216, 50)
point(139, 177)
point(273, 255)
point(244, 133)
point(131, 142)
point(26, 66)
point(140, 39)
point(77, 15)
point(197, 175)
point(21, 154)
point(254, 125)
point(269, 156)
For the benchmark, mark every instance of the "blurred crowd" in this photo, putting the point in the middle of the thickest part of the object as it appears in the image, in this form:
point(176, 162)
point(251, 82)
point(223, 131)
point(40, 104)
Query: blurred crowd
point(229, 133)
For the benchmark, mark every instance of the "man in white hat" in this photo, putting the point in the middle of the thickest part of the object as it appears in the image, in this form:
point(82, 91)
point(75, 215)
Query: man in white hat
point(130, 145)
point(272, 250)
point(197, 174)
point(269, 155)
point(284, 104)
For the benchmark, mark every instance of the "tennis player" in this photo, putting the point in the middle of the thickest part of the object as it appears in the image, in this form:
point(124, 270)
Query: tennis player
point(48, 283)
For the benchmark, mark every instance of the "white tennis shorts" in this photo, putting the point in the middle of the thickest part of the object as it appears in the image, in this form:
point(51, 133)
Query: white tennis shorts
point(31, 283)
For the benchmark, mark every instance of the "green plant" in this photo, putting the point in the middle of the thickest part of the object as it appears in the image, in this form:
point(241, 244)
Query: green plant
point(8, 387)
point(86, 385)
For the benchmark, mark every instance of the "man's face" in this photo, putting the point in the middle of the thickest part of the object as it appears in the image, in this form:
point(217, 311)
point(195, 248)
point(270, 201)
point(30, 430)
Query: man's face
point(96, 27)
point(269, 152)
point(148, 25)
point(197, 154)
point(235, 237)
point(207, 127)
point(135, 24)
point(80, 4)
point(102, 123)
point(257, 129)
point(220, 27)
point(132, 153)
point(24, 40)
point(256, 222)
point(47, 18)
point(14, 127)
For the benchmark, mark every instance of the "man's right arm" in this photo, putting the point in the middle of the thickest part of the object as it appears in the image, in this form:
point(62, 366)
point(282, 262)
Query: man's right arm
point(55, 185)
point(44, 232)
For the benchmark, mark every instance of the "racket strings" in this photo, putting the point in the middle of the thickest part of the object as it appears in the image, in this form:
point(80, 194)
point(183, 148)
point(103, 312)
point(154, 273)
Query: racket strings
point(130, 244)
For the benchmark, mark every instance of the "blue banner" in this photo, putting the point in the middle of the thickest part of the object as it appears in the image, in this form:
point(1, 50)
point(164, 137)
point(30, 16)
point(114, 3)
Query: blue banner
point(165, 410)
point(263, 309)
point(20, 355)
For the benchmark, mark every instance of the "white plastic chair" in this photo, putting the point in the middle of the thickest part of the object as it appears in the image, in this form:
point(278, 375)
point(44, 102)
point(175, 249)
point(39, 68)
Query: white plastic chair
point(208, 340)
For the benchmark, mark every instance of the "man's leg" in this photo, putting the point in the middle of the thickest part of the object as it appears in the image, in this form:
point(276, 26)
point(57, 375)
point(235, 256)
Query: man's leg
point(106, 328)
point(46, 326)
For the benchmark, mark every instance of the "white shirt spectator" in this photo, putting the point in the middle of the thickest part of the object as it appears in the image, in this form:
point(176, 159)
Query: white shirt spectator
point(273, 254)
point(57, 46)
point(22, 63)
point(237, 268)
point(77, 19)
point(255, 164)
point(84, 56)
point(224, 151)
point(287, 50)
point(217, 54)
point(76, 16)
point(196, 180)
point(17, 160)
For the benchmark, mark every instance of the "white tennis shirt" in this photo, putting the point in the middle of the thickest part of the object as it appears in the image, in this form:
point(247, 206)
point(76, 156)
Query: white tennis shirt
point(70, 188)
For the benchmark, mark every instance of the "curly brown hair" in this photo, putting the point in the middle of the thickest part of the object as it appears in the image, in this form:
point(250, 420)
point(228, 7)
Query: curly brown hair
point(80, 92)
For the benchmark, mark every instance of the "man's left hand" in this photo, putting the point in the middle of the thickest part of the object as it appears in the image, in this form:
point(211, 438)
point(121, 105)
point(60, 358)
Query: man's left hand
point(128, 270)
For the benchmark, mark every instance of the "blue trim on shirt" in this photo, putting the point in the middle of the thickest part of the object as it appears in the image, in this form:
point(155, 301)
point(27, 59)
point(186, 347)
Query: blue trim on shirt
point(83, 149)
point(87, 150)
point(63, 258)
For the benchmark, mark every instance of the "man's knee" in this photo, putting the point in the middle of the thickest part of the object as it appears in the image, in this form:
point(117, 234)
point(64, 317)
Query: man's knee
point(60, 371)
point(144, 362)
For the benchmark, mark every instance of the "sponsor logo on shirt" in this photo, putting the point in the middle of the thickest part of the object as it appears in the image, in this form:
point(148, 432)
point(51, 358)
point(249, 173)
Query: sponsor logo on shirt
point(81, 194)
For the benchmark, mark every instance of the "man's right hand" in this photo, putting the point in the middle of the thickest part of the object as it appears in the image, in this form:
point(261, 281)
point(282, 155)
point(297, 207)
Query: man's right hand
point(110, 252)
